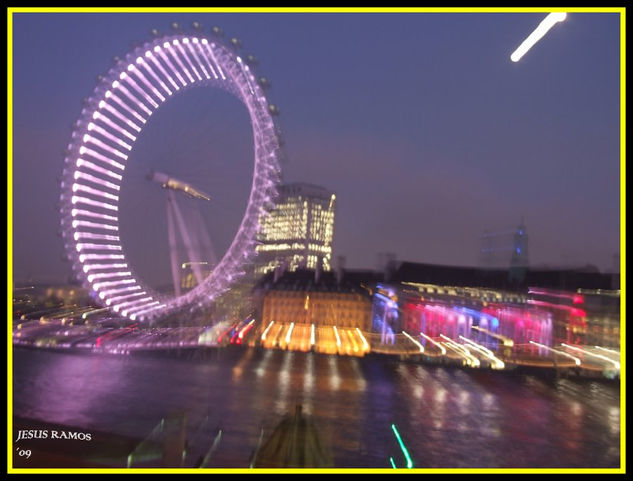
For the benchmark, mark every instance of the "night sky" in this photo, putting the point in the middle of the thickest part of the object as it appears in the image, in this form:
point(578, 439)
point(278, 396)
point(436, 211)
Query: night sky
point(420, 123)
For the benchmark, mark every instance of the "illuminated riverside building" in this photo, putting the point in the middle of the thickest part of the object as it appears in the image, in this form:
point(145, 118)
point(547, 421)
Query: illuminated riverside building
point(548, 307)
point(324, 312)
point(307, 297)
point(298, 233)
point(583, 316)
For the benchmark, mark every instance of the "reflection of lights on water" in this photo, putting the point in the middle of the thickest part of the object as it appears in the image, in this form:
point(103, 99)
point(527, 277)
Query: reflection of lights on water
point(308, 378)
point(261, 369)
point(418, 391)
point(488, 400)
point(614, 420)
point(335, 380)
point(440, 395)
point(358, 375)
point(239, 368)
point(284, 382)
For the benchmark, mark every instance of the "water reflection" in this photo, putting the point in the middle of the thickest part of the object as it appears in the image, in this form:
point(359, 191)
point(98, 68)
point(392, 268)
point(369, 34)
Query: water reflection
point(448, 417)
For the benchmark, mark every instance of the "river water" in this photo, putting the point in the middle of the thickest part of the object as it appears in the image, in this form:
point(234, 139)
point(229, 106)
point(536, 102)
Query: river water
point(446, 417)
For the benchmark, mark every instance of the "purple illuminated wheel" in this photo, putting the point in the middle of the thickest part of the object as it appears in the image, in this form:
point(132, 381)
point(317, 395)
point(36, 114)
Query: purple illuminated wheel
point(110, 122)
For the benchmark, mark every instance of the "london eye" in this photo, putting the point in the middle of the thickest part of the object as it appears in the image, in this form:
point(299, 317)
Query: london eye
point(111, 120)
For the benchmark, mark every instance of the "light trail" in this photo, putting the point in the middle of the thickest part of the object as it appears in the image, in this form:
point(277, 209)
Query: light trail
point(402, 446)
point(338, 339)
point(289, 333)
point(353, 341)
point(435, 343)
point(312, 336)
point(576, 360)
point(497, 363)
point(617, 353)
point(420, 346)
point(506, 340)
point(275, 341)
point(90, 313)
point(461, 350)
point(245, 329)
point(599, 356)
point(538, 33)
point(474, 362)
point(362, 338)
point(266, 330)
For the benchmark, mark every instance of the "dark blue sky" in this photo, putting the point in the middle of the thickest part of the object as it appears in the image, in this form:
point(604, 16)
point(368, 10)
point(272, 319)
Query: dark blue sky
point(420, 123)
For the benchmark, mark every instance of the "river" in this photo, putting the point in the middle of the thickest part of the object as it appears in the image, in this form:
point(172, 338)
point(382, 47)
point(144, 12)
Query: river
point(447, 417)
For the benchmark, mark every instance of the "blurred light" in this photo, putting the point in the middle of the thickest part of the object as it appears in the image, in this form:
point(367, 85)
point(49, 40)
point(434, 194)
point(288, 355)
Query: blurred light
point(414, 341)
point(289, 334)
point(365, 343)
point(604, 358)
point(433, 342)
point(266, 330)
point(402, 446)
point(338, 339)
point(549, 21)
point(576, 360)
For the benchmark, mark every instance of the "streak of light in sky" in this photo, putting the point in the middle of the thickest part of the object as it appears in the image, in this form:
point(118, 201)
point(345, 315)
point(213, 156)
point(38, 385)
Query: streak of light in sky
point(538, 33)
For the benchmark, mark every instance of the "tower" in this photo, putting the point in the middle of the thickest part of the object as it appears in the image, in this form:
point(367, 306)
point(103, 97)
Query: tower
point(505, 249)
point(520, 247)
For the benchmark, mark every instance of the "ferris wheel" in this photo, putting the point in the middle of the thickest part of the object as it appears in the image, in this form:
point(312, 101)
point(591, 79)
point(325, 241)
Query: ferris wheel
point(104, 135)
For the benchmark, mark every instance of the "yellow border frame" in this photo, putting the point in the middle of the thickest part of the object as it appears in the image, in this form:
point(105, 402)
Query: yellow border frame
point(11, 11)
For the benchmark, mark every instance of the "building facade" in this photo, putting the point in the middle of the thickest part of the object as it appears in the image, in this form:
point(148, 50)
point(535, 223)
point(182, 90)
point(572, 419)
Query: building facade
point(301, 297)
point(299, 231)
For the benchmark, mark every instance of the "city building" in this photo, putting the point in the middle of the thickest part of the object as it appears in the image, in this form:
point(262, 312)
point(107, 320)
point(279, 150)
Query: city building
point(546, 306)
point(298, 233)
point(327, 312)
point(309, 297)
